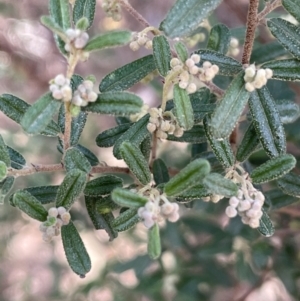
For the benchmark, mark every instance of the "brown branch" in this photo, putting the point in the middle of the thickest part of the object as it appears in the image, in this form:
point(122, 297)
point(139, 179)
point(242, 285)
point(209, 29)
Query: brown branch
point(215, 89)
point(250, 33)
point(270, 6)
point(35, 168)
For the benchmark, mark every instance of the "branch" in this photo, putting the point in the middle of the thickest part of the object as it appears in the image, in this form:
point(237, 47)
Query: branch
point(268, 8)
point(215, 89)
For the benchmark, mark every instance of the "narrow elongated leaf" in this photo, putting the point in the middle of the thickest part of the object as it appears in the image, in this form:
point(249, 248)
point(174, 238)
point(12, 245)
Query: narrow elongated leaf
point(287, 34)
point(128, 75)
point(108, 40)
point(30, 205)
point(154, 244)
point(195, 192)
point(189, 176)
point(110, 136)
point(230, 108)
point(183, 107)
point(15, 108)
point(5, 187)
point(160, 172)
point(195, 135)
point(4, 153)
point(74, 159)
point(54, 27)
point(75, 251)
point(181, 51)
point(70, 189)
point(162, 54)
point(44, 194)
point(277, 199)
point(126, 220)
point(84, 8)
point(100, 220)
point(116, 103)
point(288, 110)
point(88, 154)
point(3, 170)
point(136, 162)
point(219, 38)
point(248, 145)
point(103, 185)
point(267, 123)
point(127, 198)
point(290, 184)
point(16, 159)
point(292, 6)
point(136, 134)
point(273, 169)
point(227, 65)
point(221, 148)
point(266, 227)
point(186, 15)
point(217, 184)
point(284, 69)
point(145, 147)
point(39, 115)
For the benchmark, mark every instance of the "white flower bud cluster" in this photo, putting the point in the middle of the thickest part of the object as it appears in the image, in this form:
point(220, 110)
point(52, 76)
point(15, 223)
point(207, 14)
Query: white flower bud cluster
point(140, 39)
point(234, 49)
point(163, 126)
point(84, 94)
point(57, 217)
point(112, 9)
point(256, 79)
point(76, 38)
point(158, 208)
point(215, 198)
point(60, 88)
point(144, 110)
point(248, 206)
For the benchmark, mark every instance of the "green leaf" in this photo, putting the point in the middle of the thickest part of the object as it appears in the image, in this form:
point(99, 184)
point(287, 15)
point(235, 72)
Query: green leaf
point(126, 220)
point(17, 160)
point(154, 245)
point(75, 251)
point(181, 51)
point(287, 34)
point(288, 110)
point(39, 115)
point(84, 8)
point(5, 187)
point(284, 69)
point(217, 184)
point(54, 27)
point(219, 38)
point(162, 54)
point(160, 172)
point(145, 147)
point(267, 123)
point(15, 108)
point(266, 227)
point(100, 220)
point(88, 154)
point(116, 103)
point(273, 169)
point(248, 145)
point(227, 65)
point(195, 135)
point(290, 184)
point(74, 159)
point(136, 162)
point(70, 189)
point(30, 205)
point(195, 192)
point(221, 148)
point(277, 199)
point(82, 24)
point(108, 40)
point(136, 134)
point(3, 170)
point(4, 153)
point(189, 176)
point(229, 109)
point(128, 75)
point(110, 136)
point(44, 194)
point(292, 6)
point(183, 107)
point(127, 198)
point(186, 15)
point(103, 185)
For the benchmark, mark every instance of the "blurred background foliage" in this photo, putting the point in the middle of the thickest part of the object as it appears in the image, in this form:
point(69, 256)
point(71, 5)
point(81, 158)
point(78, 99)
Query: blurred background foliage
point(205, 256)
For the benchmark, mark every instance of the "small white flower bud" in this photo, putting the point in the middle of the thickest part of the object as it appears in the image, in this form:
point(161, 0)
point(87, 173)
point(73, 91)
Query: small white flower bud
point(205, 199)
point(234, 43)
point(209, 74)
point(189, 63)
point(250, 71)
point(184, 76)
point(88, 84)
point(244, 205)
point(165, 125)
point(178, 132)
point(252, 213)
point(140, 211)
point(167, 208)
point(57, 94)
point(195, 58)
point(79, 43)
point(61, 210)
point(191, 88)
point(245, 220)
point(172, 129)
point(77, 100)
point(231, 211)
point(259, 196)
point(249, 87)
point(151, 127)
point(254, 223)
point(53, 212)
point(84, 103)
point(142, 40)
point(66, 92)
point(215, 68)
point(260, 74)
point(60, 80)
point(183, 85)
point(206, 65)
point(193, 70)
point(174, 62)
point(66, 217)
point(256, 205)
point(134, 46)
point(234, 201)
point(53, 87)
point(235, 51)
point(67, 47)
point(269, 73)
point(161, 134)
point(148, 223)
point(71, 33)
point(174, 217)
point(150, 206)
point(92, 96)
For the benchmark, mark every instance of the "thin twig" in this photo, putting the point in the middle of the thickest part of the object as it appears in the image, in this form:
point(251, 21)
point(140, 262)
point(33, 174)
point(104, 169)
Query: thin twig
point(268, 8)
point(215, 89)
point(35, 168)
point(250, 33)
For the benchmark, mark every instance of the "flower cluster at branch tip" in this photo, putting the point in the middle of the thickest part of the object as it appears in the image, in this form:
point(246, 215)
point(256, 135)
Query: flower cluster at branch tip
point(84, 94)
point(140, 39)
point(234, 49)
point(57, 217)
point(256, 79)
point(163, 123)
point(157, 209)
point(60, 88)
point(76, 38)
point(215, 198)
point(112, 9)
